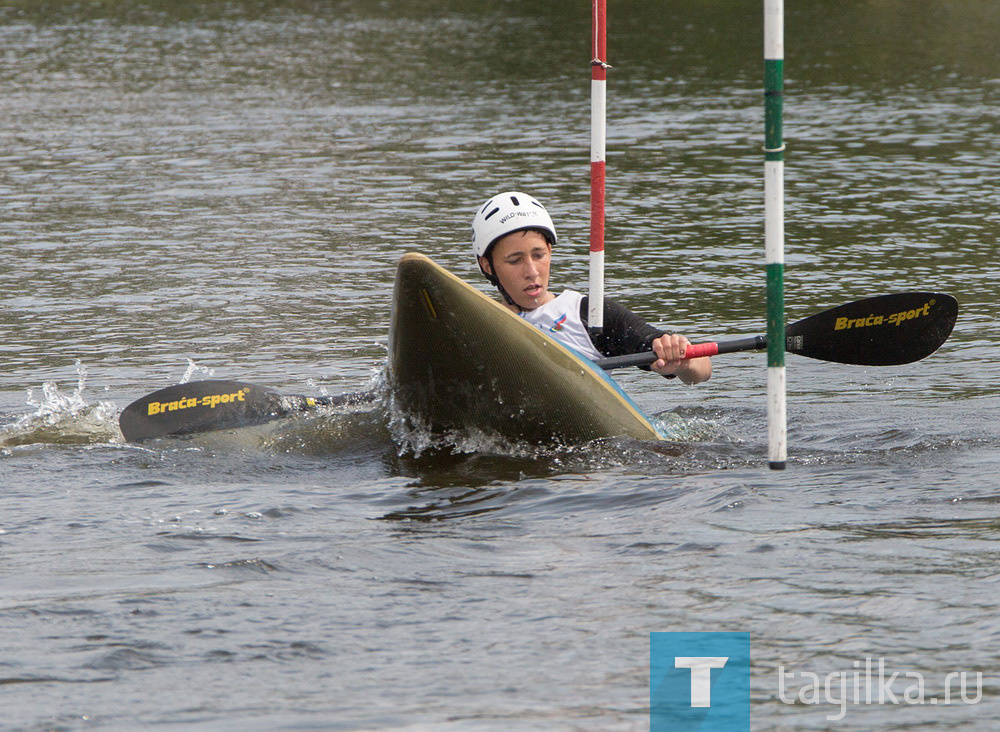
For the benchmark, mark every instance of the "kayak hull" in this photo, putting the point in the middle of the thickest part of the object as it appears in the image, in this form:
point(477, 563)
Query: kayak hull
point(460, 361)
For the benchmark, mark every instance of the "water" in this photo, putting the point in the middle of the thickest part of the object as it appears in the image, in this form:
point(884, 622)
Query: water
point(222, 189)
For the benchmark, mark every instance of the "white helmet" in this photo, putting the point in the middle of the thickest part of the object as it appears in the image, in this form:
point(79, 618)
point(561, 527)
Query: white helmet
point(505, 213)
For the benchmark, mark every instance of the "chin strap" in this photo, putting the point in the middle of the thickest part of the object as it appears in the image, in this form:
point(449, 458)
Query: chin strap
point(495, 281)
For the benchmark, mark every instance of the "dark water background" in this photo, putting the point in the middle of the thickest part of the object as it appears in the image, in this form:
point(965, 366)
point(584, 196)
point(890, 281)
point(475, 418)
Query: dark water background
point(192, 189)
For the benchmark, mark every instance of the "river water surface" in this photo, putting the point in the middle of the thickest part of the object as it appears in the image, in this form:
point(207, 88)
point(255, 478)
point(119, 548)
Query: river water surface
point(223, 189)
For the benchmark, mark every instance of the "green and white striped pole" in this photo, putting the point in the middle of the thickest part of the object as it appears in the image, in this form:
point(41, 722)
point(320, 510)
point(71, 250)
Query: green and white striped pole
point(774, 231)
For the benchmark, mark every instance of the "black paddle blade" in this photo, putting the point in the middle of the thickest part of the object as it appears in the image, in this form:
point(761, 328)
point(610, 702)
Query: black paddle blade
point(879, 331)
point(200, 406)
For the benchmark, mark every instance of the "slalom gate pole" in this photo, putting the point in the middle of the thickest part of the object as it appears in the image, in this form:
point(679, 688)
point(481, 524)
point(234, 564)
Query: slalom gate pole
point(598, 140)
point(774, 231)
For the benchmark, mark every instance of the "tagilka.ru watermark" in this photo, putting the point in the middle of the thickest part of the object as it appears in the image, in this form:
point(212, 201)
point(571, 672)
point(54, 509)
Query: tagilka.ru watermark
point(870, 683)
point(701, 681)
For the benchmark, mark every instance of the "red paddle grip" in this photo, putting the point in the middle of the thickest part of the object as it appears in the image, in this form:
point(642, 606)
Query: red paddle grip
point(697, 350)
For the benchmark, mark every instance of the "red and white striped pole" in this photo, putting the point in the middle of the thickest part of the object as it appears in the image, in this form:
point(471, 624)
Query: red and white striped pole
point(598, 137)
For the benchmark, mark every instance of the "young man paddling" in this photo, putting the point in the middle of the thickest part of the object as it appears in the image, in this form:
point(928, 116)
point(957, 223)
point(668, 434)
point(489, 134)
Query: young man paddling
point(512, 238)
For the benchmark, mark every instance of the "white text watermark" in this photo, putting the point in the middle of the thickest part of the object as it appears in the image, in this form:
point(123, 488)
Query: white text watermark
point(871, 683)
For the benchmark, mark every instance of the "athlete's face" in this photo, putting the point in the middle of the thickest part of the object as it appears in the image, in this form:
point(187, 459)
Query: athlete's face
point(521, 262)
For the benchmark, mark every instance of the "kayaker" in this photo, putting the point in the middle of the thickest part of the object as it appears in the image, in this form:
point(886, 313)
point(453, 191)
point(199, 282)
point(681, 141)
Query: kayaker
point(512, 238)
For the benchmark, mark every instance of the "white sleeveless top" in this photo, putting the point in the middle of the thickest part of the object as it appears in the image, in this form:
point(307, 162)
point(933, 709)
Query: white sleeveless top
point(560, 318)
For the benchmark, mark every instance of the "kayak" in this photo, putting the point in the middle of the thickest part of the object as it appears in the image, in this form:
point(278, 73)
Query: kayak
point(460, 361)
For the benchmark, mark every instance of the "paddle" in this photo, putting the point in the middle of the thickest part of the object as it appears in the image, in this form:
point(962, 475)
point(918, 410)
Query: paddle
point(879, 331)
point(203, 406)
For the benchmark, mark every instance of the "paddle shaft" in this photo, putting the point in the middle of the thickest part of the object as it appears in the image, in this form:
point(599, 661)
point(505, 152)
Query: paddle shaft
point(695, 350)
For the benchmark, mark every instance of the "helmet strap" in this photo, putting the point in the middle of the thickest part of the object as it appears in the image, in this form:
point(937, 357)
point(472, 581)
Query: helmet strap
point(495, 281)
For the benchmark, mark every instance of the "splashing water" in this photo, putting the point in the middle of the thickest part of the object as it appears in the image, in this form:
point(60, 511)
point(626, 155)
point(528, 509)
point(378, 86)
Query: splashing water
point(63, 418)
point(688, 428)
point(193, 369)
point(323, 391)
point(414, 437)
